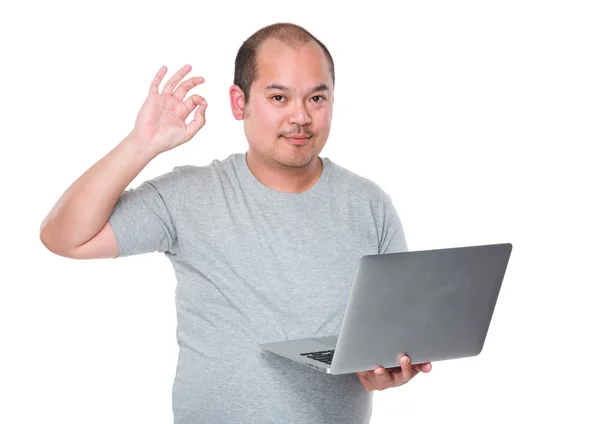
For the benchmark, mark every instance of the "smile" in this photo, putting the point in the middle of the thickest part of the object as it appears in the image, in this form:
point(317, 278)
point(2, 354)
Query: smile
point(301, 140)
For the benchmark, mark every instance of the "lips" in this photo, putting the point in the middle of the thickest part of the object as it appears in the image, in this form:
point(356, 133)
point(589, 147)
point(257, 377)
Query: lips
point(297, 139)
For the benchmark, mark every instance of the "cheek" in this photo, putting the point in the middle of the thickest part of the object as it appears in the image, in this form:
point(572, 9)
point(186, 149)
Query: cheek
point(271, 117)
point(322, 119)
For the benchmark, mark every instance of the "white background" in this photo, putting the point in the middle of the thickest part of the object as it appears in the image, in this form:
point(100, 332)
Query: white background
point(479, 118)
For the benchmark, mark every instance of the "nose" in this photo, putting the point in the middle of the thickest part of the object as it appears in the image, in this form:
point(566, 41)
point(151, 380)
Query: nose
point(299, 115)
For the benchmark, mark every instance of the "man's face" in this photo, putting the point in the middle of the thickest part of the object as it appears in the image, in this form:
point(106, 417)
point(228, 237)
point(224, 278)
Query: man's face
point(288, 118)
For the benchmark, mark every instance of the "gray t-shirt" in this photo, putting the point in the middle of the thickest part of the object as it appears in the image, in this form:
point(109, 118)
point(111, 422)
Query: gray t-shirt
point(254, 265)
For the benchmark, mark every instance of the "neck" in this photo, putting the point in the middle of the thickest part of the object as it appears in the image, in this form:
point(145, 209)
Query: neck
point(286, 180)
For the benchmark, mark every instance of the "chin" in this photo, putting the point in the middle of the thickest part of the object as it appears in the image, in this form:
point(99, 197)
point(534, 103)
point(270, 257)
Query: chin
point(294, 161)
point(283, 157)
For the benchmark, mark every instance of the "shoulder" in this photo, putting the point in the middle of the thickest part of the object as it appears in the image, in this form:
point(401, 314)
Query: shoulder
point(353, 184)
point(226, 165)
point(186, 176)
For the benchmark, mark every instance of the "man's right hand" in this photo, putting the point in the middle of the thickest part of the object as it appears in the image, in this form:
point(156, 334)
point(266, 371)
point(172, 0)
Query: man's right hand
point(160, 123)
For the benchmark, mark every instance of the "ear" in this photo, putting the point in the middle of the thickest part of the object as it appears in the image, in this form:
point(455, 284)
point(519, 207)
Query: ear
point(236, 99)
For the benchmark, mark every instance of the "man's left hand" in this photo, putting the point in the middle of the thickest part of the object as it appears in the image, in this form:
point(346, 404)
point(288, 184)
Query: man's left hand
point(381, 378)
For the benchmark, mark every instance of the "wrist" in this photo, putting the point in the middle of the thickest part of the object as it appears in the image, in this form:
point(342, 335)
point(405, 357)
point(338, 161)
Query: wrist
point(140, 148)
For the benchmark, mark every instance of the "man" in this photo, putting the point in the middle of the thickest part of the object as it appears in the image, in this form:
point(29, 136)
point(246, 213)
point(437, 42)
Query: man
point(263, 244)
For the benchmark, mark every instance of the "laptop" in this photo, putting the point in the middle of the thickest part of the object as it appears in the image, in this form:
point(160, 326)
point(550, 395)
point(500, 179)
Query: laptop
point(432, 305)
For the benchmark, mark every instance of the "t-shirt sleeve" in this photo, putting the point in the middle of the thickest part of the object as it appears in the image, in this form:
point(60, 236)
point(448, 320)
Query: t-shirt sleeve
point(392, 238)
point(142, 219)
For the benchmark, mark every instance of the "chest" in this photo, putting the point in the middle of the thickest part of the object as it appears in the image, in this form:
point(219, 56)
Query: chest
point(282, 260)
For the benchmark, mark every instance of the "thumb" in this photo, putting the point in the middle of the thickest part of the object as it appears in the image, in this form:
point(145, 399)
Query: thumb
point(198, 122)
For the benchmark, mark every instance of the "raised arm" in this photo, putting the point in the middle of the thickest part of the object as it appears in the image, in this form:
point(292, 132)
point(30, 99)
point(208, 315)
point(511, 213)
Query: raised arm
point(77, 226)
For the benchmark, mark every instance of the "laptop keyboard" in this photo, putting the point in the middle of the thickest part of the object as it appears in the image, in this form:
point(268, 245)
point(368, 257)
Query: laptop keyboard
point(324, 356)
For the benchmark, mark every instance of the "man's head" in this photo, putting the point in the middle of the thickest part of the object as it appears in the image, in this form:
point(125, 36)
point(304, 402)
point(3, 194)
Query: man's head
point(283, 90)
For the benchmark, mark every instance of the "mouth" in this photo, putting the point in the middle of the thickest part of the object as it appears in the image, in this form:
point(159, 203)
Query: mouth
point(298, 140)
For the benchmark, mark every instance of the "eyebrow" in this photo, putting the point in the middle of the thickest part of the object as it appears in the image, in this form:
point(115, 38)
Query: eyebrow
point(321, 87)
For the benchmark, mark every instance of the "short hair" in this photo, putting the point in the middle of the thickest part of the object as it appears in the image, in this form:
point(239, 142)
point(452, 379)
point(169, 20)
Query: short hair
point(291, 34)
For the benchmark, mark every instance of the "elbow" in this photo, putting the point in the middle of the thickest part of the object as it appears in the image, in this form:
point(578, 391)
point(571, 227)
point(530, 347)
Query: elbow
point(51, 242)
point(48, 241)
point(44, 237)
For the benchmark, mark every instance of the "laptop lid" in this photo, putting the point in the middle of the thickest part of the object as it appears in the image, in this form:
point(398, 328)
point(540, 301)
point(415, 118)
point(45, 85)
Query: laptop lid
point(432, 305)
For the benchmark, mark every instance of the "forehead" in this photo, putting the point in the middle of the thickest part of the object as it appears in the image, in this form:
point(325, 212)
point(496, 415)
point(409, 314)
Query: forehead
point(303, 64)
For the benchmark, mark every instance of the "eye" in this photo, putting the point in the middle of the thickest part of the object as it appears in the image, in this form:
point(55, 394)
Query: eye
point(319, 99)
point(278, 98)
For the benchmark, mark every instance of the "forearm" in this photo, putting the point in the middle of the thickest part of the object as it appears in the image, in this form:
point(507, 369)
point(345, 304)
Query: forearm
point(86, 205)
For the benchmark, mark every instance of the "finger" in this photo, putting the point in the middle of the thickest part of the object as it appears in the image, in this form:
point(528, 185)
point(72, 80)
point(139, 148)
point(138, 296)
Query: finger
point(186, 86)
point(170, 85)
point(382, 374)
point(191, 103)
point(407, 370)
point(198, 122)
point(426, 367)
point(157, 79)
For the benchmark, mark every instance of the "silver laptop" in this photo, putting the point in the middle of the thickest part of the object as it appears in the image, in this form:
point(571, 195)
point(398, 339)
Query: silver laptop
point(432, 305)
